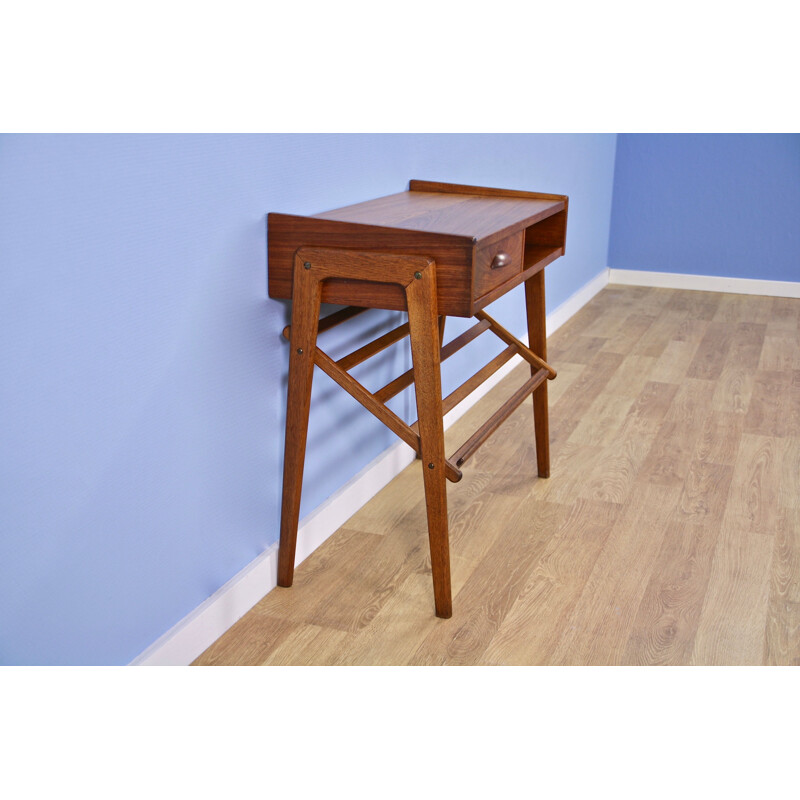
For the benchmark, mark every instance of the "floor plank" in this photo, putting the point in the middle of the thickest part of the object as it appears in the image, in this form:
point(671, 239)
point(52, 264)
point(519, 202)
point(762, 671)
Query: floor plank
point(532, 629)
point(756, 485)
point(732, 626)
point(783, 615)
point(666, 621)
point(601, 622)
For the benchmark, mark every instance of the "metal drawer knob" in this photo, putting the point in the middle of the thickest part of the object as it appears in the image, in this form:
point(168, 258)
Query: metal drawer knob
point(500, 260)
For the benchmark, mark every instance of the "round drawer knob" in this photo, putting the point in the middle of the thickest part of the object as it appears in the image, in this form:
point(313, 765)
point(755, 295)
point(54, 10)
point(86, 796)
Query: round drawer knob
point(500, 260)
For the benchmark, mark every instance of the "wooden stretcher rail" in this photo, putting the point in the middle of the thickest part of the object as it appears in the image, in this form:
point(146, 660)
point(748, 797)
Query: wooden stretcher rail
point(379, 409)
point(470, 385)
point(373, 347)
point(407, 378)
point(493, 423)
point(509, 338)
point(332, 320)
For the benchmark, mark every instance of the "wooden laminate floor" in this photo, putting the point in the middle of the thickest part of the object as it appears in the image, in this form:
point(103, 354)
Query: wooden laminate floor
point(669, 532)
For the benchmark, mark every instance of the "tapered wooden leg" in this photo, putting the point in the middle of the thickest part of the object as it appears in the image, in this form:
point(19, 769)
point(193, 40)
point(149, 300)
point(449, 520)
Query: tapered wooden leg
point(442, 321)
point(537, 341)
point(425, 330)
point(305, 318)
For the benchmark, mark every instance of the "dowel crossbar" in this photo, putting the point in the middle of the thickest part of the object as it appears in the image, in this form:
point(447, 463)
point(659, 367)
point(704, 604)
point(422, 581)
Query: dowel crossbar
point(377, 408)
point(360, 393)
point(509, 338)
point(493, 423)
point(372, 348)
point(332, 320)
point(470, 385)
point(407, 378)
point(483, 374)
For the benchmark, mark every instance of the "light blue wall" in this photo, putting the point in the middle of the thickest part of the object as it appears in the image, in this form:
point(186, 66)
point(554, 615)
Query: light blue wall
point(143, 373)
point(708, 204)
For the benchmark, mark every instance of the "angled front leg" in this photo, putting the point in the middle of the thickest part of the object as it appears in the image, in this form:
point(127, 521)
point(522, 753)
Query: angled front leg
point(425, 332)
point(305, 318)
point(416, 274)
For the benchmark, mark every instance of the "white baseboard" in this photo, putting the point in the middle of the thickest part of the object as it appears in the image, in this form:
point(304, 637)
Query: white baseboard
point(186, 640)
point(576, 301)
point(202, 627)
point(705, 283)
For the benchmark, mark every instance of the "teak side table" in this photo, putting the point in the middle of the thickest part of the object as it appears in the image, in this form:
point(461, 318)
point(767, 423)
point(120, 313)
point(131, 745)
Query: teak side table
point(436, 250)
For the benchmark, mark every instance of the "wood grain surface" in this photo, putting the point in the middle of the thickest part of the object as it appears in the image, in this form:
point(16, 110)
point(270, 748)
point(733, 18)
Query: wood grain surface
point(461, 228)
point(667, 534)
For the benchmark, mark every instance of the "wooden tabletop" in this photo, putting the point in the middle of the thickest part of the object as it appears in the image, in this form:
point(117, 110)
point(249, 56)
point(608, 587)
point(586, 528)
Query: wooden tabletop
point(450, 213)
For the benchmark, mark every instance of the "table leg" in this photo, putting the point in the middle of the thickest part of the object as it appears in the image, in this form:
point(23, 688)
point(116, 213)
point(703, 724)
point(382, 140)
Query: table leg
point(305, 318)
point(424, 328)
point(537, 341)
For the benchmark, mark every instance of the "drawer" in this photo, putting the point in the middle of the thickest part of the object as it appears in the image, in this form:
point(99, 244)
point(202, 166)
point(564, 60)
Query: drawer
point(496, 263)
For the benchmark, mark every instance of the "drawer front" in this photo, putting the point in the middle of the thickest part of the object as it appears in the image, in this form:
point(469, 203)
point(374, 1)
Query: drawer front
point(496, 263)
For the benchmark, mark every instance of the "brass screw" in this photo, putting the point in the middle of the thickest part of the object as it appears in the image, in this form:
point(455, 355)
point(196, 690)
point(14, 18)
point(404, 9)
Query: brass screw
point(307, 264)
point(417, 275)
